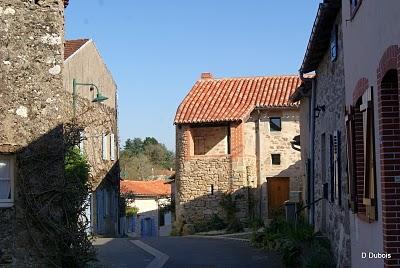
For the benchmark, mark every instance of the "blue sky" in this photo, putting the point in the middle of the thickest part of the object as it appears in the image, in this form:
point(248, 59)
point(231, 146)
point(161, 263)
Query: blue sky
point(157, 49)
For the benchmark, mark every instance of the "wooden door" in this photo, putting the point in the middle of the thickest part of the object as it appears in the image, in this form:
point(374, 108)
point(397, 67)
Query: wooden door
point(278, 193)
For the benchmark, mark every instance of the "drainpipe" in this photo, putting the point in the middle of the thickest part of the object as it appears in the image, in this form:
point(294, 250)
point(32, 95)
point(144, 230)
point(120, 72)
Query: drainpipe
point(312, 106)
point(258, 155)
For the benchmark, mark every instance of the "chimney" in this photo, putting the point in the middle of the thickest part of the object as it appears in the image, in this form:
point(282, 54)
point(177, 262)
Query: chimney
point(206, 76)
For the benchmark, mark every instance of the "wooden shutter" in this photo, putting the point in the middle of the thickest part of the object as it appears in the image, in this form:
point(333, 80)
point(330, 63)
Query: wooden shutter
point(369, 195)
point(337, 166)
point(351, 160)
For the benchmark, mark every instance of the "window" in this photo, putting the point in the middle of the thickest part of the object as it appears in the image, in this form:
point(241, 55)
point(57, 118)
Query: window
point(334, 42)
point(199, 146)
point(6, 181)
point(354, 5)
point(112, 146)
point(81, 142)
point(276, 159)
point(361, 155)
point(275, 124)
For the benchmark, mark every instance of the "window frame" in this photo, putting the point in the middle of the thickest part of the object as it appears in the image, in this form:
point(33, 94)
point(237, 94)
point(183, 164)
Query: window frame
point(354, 8)
point(9, 202)
point(270, 124)
point(272, 159)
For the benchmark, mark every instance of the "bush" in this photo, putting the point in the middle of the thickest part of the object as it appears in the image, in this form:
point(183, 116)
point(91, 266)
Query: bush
point(298, 245)
point(214, 224)
point(131, 211)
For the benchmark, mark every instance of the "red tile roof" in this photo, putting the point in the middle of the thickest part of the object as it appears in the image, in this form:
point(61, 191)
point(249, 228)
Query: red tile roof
point(232, 99)
point(148, 188)
point(71, 46)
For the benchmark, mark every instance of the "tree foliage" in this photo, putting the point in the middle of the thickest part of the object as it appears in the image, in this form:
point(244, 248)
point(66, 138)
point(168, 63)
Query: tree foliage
point(140, 158)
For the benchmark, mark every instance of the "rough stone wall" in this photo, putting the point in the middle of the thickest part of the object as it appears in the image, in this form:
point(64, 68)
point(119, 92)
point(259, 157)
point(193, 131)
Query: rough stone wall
point(196, 176)
point(273, 143)
point(331, 218)
point(31, 57)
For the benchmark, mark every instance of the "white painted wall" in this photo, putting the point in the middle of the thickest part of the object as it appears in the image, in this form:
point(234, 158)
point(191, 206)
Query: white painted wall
point(373, 29)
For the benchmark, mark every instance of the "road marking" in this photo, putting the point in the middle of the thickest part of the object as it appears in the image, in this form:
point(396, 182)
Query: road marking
point(159, 258)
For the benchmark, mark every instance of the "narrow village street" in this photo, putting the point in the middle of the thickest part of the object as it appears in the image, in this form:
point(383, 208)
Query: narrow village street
point(180, 252)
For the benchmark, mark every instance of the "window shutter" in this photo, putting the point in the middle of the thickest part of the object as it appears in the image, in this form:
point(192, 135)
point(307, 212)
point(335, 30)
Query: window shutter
point(112, 146)
point(352, 177)
point(332, 167)
point(104, 146)
point(337, 166)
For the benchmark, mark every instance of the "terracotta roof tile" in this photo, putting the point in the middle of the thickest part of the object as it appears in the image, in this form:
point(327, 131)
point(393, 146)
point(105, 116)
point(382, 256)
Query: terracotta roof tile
point(232, 99)
point(71, 46)
point(148, 188)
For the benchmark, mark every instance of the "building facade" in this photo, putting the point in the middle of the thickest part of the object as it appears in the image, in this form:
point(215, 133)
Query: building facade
point(323, 130)
point(151, 199)
point(99, 144)
point(233, 136)
point(372, 65)
point(31, 132)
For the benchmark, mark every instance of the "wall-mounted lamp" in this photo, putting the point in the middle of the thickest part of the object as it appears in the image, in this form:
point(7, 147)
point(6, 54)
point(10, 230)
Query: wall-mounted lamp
point(99, 97)
point(318, 110)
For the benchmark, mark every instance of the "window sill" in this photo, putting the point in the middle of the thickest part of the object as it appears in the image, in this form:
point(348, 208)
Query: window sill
point(6, 204)
point(364, 218)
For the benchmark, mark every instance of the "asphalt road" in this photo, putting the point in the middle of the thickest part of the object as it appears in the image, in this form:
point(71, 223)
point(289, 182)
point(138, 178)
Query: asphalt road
point(190, 252)
point(186, 252)
point(120, 253)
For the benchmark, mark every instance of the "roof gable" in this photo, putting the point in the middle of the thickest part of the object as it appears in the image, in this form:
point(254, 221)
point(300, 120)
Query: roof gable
point(71, 46)
point(232, 99)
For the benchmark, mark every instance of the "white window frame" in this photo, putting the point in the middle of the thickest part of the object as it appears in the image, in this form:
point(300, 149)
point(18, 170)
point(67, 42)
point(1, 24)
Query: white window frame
point(9, 202)
point(112, 146)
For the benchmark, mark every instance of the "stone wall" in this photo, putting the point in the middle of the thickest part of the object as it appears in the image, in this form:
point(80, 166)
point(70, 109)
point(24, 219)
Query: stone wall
point(331, 217)
point(34, 108)
point(31, 58)
point(197, 200)
point(240, 172)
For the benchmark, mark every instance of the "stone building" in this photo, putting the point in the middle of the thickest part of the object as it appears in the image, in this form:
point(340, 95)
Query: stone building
point(36, 109)
point(233, 136)
point(31, 60)
point(84, 64)
point(372, 67)
point(323, 130)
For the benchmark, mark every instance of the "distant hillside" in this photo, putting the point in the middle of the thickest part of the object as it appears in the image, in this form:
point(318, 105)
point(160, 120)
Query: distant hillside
point(144, 159)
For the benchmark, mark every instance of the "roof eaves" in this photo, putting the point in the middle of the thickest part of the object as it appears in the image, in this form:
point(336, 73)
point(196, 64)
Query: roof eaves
point(320, 35)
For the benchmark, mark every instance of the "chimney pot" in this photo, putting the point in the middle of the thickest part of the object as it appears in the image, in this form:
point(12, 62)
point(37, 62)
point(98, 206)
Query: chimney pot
point(206, 76)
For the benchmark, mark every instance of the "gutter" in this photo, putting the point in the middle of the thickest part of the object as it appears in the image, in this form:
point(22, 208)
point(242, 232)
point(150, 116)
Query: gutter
point(311, 156)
